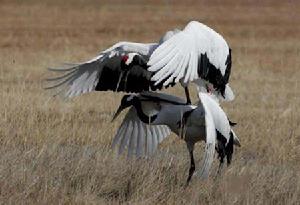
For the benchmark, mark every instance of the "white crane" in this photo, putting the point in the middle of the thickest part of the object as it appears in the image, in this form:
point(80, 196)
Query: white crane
point(153, 115)
point(195, 54)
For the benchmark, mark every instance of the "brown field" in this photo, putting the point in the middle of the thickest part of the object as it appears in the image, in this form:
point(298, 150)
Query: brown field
point(58, 152)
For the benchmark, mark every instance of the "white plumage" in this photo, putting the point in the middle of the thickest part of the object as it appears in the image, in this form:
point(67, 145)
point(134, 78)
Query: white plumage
point(219, 117)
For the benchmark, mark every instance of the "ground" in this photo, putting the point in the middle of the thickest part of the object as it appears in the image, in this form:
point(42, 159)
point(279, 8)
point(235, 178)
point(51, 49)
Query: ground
point(56, 151)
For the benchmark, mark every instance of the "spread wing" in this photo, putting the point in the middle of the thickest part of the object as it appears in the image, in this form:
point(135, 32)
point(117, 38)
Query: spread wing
point(188, 55)
point(105, 72)
point(197, 52)
point(175, 59)
point(139, 138)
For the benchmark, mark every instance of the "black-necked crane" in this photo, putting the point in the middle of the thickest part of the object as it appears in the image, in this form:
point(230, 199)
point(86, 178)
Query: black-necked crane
point(195, 54)
point(153, 115)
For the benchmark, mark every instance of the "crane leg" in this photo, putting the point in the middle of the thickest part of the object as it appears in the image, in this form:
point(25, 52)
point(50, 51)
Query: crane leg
point(190, 147)
point(187, 94)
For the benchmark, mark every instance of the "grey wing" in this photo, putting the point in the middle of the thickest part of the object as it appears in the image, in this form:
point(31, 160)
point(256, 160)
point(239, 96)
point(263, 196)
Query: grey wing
point(138, 138)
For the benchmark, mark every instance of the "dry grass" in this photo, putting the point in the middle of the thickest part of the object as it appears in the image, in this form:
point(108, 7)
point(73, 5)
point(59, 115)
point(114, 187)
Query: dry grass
point(53, 151)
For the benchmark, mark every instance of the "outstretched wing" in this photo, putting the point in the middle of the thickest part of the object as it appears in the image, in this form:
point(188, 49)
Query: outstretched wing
point(209, 146)
point(175, 59)
point(105, 72)
point(139, 138)
point(193, 53)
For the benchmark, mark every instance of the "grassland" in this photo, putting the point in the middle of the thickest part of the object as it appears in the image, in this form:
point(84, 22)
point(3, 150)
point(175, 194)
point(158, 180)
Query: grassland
point(58, 152)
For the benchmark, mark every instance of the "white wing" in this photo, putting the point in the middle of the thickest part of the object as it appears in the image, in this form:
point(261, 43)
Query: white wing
point(83, 77)
point(189, 53)
point(176, 58)
point(139, 138)
point(219, 117)
point(210, 144)
point(144, 49)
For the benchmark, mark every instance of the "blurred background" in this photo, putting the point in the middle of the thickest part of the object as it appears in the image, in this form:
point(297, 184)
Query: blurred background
point(54, 151)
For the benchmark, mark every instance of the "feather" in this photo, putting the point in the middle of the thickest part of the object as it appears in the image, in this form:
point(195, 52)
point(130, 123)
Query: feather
point(126, 137)
point(133, 140)
point(141, 140)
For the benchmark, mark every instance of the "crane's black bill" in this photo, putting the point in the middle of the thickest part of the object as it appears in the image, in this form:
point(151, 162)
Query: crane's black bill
point(117, 113)
point(126, 102)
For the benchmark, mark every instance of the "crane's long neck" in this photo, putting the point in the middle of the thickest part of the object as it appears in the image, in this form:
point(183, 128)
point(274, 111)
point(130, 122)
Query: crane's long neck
point(143, 117)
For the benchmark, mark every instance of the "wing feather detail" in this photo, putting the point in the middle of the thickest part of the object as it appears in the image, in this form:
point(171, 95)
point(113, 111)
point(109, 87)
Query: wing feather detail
point(184, 42)
point(154, 139)
point(141, 143)
point(218, 115)
point(133, 140)
point(139, 138)
point(149, 141)
point(125, 138)
point(118, 135)
point(210, 144)
point(104, 72)
point(196, 52)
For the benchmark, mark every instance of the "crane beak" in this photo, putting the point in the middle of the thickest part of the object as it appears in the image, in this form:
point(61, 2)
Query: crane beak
point(117, 113)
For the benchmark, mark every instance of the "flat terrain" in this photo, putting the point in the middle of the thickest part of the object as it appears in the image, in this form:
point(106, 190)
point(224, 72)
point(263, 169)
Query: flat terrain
point(58, 152)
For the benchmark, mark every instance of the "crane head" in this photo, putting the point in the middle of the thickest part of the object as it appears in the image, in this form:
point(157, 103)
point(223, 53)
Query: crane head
point(126, 102)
